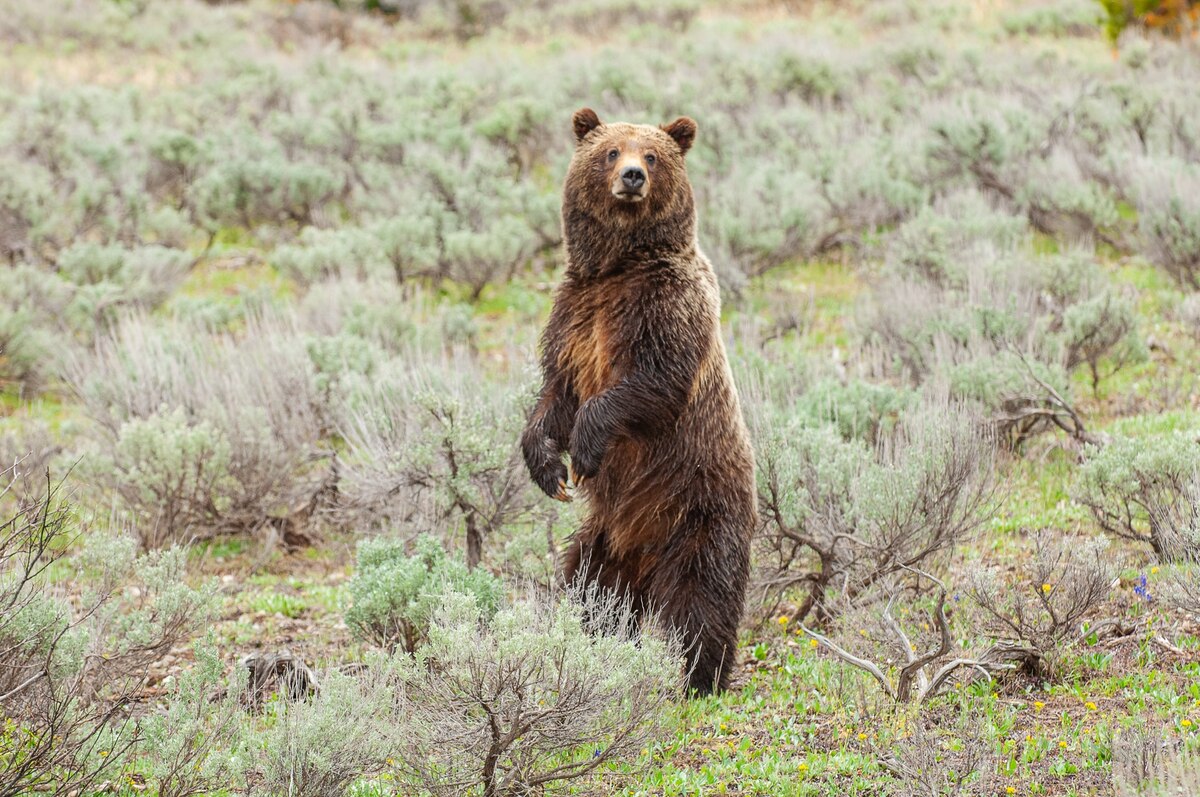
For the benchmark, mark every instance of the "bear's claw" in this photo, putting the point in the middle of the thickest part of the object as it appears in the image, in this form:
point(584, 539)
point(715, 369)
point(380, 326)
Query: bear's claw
point(562, 494)
point(577, 479)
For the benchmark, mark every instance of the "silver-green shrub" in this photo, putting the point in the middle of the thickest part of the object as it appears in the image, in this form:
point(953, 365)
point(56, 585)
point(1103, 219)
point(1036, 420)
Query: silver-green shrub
point(71, 664)
point(532, 699)
point(859, 409)
point(349, 729)
point(396, 588)
point(204, 432)
point(431, 449)
point(1147, 490)
point(1167, 193)
point(840, 516)
point(192, 746)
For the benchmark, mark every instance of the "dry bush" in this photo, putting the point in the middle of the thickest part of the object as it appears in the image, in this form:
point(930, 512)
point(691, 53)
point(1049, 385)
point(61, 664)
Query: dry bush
point(72, 662)
point(1183, 589)
point(840, 517)
point(1148, 763)
point(956, 760)
point(922, 668)
point(964, 302)
point(1166, 193)
point(432, 449)
point(204, 433)
point(1044, 605)
point(1189, 314)
point(546, 693)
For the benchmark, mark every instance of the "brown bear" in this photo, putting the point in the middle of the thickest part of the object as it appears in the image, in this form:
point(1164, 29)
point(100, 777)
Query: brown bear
point(637, 390)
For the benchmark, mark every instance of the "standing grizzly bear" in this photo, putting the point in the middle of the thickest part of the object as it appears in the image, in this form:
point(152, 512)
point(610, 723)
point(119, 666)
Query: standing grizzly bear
point(638, 392)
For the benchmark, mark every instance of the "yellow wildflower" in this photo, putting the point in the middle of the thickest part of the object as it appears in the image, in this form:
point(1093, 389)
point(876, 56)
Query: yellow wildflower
point(862, 737)
point(1038, 705)
point(1090, 706)
point(1046, 588)
point(783, 621)
point(812, 643)
point(803, 767)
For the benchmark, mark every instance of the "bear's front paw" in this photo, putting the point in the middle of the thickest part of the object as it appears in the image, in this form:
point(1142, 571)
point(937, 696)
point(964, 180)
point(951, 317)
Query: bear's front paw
point(546, 467)
point(587, 449)
point(551, 477)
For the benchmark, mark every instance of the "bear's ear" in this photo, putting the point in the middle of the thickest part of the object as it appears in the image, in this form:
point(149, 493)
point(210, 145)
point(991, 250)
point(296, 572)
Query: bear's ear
point(585, 121)
point(683, 130)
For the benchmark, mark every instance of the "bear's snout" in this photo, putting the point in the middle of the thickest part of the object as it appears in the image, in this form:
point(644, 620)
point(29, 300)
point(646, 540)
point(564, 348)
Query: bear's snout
point(633, 178)
point(630, 183)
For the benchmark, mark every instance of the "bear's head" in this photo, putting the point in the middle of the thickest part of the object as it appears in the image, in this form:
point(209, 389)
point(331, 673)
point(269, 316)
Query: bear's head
point(624, 173)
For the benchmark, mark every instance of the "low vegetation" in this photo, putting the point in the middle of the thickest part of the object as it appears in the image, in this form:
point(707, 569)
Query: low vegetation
point(272, 276)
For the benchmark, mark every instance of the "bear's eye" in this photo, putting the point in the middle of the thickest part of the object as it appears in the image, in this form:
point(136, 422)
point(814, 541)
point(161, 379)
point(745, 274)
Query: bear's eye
point(650, 159)
point(612, 154)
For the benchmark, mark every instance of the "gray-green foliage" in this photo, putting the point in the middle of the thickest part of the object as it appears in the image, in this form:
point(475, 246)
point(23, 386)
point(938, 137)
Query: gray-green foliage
point(70, 664)
point(191, 746)
point(173, 474)
point(840, 514)
point(1168, 200)
point(397, 587)
point(1146, 489)
point(203, 432)
point(533, 698)
point(43, 313)
point(965, 302)
point(859, 409)
point(319, 746)
point(434, 449)
point(418, 166)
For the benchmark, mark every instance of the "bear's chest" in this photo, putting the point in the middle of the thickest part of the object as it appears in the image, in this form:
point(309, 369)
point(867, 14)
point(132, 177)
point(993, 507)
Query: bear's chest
point(591, 347)
point(594, 341)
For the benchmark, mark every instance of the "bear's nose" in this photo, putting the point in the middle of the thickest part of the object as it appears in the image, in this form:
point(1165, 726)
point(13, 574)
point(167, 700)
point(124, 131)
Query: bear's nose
point(633, 177)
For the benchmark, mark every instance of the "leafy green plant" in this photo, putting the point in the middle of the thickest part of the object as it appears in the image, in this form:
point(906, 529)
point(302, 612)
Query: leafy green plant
point(395, 590)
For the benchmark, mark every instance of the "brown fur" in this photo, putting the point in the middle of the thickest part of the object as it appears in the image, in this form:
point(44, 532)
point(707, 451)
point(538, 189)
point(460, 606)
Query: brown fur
point(638, 391)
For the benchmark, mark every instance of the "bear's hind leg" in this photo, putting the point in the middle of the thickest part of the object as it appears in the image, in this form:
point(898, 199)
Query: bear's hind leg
point(698, 590)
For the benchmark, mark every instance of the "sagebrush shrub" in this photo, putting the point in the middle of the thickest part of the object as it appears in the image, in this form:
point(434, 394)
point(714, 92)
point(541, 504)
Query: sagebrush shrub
point(1146, 489)
point(439, 456)
point(1043, 605)
point(318, 747)
point(173, 474)
point(192, 744)
point(1167, 193)
point(397, 587)
point(206, 432)
point(840, 515)
point(70, 665)
point(859, 409)
point(532, 699)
